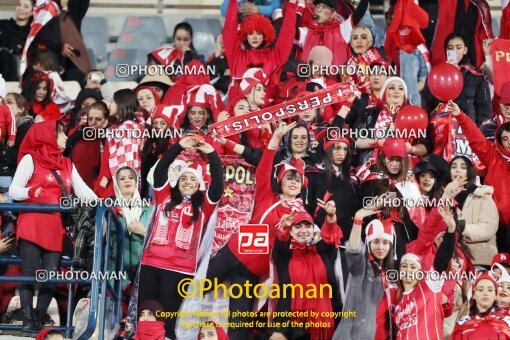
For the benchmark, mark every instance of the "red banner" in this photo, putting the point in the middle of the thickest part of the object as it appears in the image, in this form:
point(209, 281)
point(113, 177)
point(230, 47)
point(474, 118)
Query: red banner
point(500, 50)
point(238, 197)
point(314, 100)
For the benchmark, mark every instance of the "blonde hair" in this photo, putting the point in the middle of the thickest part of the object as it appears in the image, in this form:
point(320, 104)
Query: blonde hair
point(366, 29)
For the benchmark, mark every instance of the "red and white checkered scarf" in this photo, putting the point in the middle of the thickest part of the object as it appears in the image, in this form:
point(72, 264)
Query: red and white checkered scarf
point(127, 150)
point(44, 11)
point(386, 117)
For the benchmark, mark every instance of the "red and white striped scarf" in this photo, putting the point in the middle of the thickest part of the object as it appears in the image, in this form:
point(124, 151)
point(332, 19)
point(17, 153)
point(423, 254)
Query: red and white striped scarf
point(126, 151)
point(426, 55)
point(44, 11)
point(386, 117)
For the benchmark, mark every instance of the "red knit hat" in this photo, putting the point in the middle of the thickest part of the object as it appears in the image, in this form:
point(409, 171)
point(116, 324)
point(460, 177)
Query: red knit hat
point(171, 114)
point(251, 78)
point(296, 164)
point(380, 229)
point(485, 276)
point(394, 147)
point(196, 169)
point(204, 96)
point(168, 55)
point(327, 142)
point(257, 23)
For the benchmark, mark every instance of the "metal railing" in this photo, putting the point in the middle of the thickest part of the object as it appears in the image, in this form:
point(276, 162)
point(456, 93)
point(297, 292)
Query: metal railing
point(105, 218)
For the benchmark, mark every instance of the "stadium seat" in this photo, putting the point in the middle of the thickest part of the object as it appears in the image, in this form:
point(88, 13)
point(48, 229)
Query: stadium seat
point(145, 40)
point(146, 24)
point(13, 86)
point(92, 57)
point(207, 25)
point(380, 22)
point(95, 35)
point(98, 45)
point(124, 57)
point(204, 43)
point(495, 27)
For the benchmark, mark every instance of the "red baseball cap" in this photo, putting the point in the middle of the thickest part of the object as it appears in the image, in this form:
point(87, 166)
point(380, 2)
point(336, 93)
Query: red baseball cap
point(504, 93)
point(394, 147)
point(502, 258)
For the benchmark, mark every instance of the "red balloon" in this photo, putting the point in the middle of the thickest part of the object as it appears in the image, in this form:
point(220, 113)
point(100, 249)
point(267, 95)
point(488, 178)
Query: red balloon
point(411, 119)
point(445, 82)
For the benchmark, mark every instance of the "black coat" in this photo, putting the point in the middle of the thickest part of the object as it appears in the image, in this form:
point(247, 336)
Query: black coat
point(343, 194)
point(474, 100)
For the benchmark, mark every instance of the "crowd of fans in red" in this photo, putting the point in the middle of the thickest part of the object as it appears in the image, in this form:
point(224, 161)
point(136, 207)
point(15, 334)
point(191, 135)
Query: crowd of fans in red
point(311, 189)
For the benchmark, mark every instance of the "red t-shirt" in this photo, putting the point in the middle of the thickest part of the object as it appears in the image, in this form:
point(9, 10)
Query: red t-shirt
point(419, 313)
point(179, 250)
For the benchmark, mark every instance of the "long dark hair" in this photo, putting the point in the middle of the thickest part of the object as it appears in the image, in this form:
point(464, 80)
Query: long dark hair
point(187, 27)
point(30, 88)
point(289, 138)
point(127, 105)
point(499, 132)
point(471, 172)
point(197, 199)
point(465, 59)
point(436, 191)
point(381, 167)
point(386, 264)
point(186, 124)
point(155, 146)
point(344, 167)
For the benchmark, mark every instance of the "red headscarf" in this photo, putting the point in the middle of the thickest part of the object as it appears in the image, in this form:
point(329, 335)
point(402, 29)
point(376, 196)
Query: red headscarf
point(42, 334)
point(150, 330)
point(154, 93)
point(220, 332)
point(41, 143)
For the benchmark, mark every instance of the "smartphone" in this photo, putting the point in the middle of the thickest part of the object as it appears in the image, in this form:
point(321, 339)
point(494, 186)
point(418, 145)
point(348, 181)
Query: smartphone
point(96, 78)
point(77, 52)
point(451, 57)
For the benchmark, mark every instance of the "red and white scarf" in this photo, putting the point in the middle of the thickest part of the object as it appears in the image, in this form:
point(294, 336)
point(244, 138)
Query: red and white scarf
point(360, 62)
point(127, 150)
point(386, 117)
point(44, 11)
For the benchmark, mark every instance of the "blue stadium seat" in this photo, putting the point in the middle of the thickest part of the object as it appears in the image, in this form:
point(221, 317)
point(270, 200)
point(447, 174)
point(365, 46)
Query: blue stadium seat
point(144, 40)
point(92, 57)
point(208, 25)
point(495, 27)
point(95, 36)
point(124, 57)
point(97, 44)
point(146, 24)
point(204, 43)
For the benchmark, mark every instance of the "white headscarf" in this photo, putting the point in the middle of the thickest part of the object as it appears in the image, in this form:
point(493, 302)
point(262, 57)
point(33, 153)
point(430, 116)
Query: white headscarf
point(131, 209)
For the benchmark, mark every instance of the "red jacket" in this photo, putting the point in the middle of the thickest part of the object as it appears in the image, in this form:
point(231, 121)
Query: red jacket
point(332, 34)
point(86, 157)
point(265, 58)
point(495, 326)
point(7, 124)
point(267, 210)
point(505, 24)
point(446, 25)
point(497, 161)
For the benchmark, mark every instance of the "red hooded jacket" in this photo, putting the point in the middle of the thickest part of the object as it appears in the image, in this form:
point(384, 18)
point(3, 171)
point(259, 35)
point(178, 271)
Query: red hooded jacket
point(497, 161)
point(268, 59)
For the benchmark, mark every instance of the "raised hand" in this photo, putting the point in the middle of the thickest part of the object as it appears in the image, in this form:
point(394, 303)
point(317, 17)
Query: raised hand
point(447, 215)
point(286, 221)
point(204, 147)
point(188, 143)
